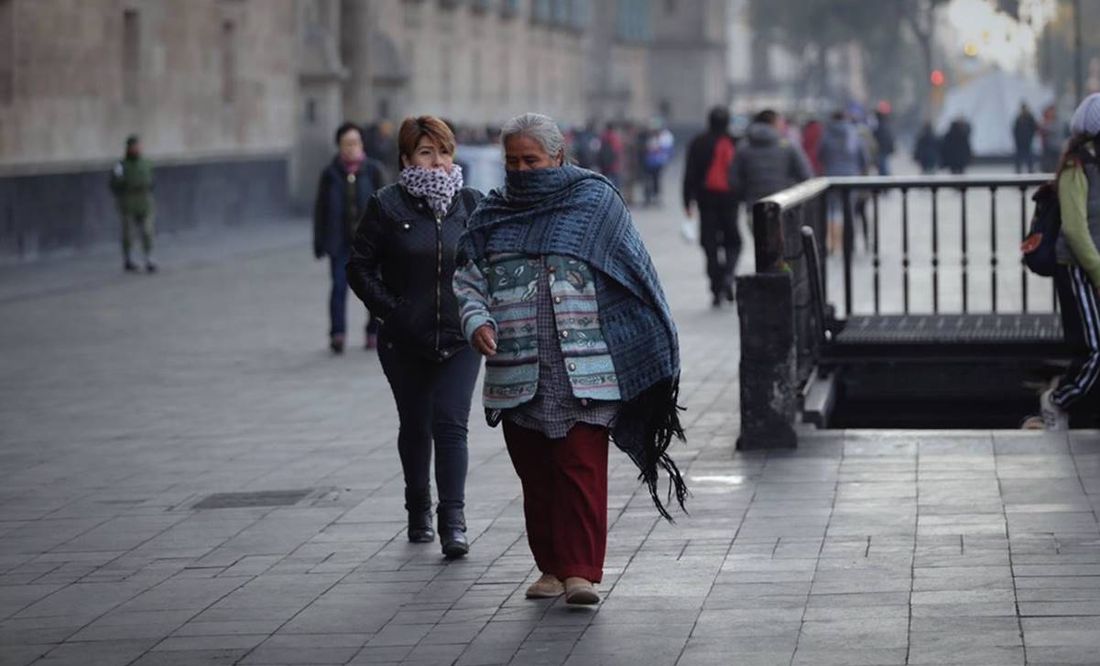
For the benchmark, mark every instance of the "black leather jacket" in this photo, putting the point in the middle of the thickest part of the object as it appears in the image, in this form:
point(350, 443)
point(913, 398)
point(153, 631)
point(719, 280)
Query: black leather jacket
point(401, 266)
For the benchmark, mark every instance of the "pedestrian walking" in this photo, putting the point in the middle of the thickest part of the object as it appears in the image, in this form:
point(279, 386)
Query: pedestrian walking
point(708, 184)
point(1077, 277)
point(842, 154)
point(1051, 138)
point(812, 133)
point(342, 193)
point(612, 156)
point(1023, 134)
point(926, 150)
point(766, 161)
point(884, 137)
point(659, 144)
point(132, 184)
point(402, 264)
point(558, 292)
point(955, 152)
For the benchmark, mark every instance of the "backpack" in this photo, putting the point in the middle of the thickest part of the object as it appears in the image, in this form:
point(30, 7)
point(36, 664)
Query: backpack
point(718, 173)
point(1038, 247)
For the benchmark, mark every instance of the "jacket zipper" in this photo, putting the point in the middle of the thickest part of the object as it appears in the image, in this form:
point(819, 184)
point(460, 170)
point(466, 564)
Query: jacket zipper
point(438, 279)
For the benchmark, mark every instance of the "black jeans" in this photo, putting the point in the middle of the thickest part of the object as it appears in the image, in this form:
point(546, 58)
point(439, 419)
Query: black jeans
point(718, 231)
point(433, 405)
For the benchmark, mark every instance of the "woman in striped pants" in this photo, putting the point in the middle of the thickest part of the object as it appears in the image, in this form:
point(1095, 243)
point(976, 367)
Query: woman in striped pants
point(1078, 275)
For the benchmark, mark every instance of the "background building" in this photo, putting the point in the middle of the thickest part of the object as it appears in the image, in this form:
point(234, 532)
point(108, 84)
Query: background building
point(236, 100)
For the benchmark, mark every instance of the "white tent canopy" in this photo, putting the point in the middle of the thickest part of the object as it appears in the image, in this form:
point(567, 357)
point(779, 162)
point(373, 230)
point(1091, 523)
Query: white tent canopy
point(990, 104)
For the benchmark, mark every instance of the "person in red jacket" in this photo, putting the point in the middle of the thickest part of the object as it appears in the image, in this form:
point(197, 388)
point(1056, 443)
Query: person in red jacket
point(708, 185)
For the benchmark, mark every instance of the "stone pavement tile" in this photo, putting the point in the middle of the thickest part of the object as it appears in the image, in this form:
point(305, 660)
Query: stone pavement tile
point(851, 656)
point(309, 655)
point(183, 594)
point(939, 654)
point(400, 634)
point(36, 630)
point(215, 642)
point(14, 598)
point(1008, 443)
point(21, 655)
point(228, 628)
point(1059, 608)
point(451, 634)
point(961, 578)
point(965, 609)
point(1061, 631)
point(88, 599)
point(132, 625)
point(115, 653)
point(191, 658)
point(1063, 656)
point(843, 634)
point(716, 652)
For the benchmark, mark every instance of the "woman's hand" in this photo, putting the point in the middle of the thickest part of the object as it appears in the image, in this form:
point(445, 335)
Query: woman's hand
point(485, 340)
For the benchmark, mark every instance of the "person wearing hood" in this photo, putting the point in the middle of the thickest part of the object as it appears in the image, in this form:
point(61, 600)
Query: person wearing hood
point(767, 161)
point(557, 291)
point(345, 185)
point(1077, 277)
point(402, 263)
point(843, 153)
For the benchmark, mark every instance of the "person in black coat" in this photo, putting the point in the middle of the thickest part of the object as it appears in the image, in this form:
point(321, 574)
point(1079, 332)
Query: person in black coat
point(926, 151)
point(955, 153)
point(342, 193)
point(708, 184)
point(402, 265)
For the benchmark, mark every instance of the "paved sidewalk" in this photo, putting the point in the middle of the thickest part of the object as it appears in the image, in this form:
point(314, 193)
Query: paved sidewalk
point(125, 401)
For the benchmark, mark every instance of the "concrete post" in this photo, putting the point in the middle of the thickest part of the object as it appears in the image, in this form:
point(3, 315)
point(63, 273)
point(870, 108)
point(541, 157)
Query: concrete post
point(769, 360)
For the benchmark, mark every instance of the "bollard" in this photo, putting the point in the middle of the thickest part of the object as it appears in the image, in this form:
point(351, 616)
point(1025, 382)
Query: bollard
point(769, 388)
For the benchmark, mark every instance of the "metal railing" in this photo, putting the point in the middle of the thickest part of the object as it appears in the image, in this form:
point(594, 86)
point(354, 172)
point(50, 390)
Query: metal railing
point(928, 246)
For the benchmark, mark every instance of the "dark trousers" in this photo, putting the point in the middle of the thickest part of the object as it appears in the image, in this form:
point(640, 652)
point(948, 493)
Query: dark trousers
point(564, 497)
point(1079, 389)
point(652, 185)
point(720, 238)
point(1025, 159)
point(433, 405)
point(338, 296)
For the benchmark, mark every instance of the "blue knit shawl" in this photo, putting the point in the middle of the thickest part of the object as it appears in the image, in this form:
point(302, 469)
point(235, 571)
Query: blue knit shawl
point(574, 212)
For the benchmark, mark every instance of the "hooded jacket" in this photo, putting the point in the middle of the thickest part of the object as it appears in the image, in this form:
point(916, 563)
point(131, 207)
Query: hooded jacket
point(767, 163)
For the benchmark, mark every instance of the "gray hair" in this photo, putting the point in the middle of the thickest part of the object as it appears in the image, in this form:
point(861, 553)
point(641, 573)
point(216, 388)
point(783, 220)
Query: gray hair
point(538, 127)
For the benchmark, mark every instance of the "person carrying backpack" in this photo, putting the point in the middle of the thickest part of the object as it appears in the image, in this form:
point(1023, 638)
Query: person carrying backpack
point(1077, 276)
point(707, 183)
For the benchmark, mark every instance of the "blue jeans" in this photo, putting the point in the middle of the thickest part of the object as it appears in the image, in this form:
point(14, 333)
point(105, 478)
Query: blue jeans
point(338, 297)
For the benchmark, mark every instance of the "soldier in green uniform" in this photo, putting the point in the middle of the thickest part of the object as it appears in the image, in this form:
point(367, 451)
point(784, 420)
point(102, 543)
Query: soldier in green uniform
point(132, 185)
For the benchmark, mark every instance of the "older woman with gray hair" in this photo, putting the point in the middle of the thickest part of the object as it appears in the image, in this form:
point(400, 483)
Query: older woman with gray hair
point(557, 291)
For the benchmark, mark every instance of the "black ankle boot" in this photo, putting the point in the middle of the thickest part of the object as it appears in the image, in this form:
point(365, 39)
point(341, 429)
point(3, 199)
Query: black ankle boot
point(452, 532)
point(419, 505)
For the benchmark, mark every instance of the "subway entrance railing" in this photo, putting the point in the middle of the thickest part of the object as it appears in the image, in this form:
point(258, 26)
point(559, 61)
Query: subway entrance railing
point(923, 316)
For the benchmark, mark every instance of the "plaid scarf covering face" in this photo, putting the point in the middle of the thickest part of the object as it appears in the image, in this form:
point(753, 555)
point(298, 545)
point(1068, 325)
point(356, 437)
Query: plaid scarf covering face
point(573, 212)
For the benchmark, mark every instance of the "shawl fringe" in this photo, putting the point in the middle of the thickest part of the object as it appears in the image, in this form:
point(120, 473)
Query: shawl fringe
point(644, 429)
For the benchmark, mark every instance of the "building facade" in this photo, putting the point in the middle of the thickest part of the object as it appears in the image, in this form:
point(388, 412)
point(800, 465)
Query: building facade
point(236, 100)
point(207, 84)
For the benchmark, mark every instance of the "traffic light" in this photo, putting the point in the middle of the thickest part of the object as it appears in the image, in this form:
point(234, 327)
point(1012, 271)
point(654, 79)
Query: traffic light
point(937, 78)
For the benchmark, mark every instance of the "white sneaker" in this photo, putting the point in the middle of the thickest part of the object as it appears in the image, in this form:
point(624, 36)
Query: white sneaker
point(1054, 417)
